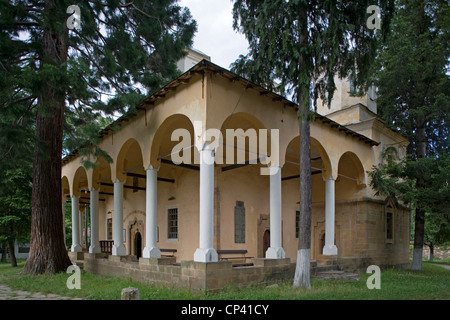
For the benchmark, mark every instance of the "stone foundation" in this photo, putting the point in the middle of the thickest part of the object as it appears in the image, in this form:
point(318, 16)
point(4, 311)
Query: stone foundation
point(190, 274)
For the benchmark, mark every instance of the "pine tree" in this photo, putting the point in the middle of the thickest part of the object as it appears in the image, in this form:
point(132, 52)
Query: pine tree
point(302, 44)
point(82, 59)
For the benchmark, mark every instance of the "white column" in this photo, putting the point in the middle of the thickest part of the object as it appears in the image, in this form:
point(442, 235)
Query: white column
point(275, 251)
point(330, 248)
point(75, 225)
point(118, 248)
point(206, 251)
point(64, 218)
point(95, 245)
point(151, 250)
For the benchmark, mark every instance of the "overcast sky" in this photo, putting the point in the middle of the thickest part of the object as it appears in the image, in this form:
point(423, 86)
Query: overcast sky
point(215, 35)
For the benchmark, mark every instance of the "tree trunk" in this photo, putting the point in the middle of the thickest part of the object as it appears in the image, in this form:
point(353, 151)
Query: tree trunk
point(419, 229)
point(3, 252)
point(48, 253)
point(302, 270)
point(12, 253)
point(431, 252)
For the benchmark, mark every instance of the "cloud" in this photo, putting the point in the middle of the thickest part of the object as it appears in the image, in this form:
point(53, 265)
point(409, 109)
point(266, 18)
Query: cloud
point(215, 36)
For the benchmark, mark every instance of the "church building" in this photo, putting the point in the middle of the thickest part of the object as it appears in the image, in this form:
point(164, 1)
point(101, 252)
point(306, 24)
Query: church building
point(177, 207)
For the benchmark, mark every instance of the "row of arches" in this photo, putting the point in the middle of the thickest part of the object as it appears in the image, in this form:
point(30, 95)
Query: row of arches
point(129, 164)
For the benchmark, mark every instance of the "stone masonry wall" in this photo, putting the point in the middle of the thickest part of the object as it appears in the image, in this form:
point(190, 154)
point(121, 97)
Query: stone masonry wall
point(362, 235)
point(190, 274)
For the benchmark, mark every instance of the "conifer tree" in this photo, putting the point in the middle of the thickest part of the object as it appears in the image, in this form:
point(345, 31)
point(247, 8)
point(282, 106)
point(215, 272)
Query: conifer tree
point(84, 59)
point(412, 76)
point(304, 44)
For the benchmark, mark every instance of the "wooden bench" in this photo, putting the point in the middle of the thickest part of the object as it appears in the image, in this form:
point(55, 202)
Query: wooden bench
point(170, 252)
point(237, 255)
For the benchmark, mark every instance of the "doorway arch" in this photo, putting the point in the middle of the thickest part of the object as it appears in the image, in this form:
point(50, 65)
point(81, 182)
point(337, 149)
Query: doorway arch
point(138, 244)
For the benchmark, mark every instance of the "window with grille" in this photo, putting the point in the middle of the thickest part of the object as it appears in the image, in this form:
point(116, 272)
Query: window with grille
point(389, 231)
point(109, 235)
point(172, 223)
point(389, 221)
point(239, 222)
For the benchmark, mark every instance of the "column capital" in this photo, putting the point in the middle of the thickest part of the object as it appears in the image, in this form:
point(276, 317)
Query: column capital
point(118, 181)
point(329, 178)
point(151, 168)
point(207, 155)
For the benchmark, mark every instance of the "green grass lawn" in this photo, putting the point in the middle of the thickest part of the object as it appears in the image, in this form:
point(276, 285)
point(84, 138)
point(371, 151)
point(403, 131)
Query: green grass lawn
point(433, 282)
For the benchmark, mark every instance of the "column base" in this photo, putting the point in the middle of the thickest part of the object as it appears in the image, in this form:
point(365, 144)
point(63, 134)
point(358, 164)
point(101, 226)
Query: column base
point(152, 252)
point(76, 248)
point(330, 250)
point(275, 253)
point(95, 249)
point(206, 255)
point(119, 250)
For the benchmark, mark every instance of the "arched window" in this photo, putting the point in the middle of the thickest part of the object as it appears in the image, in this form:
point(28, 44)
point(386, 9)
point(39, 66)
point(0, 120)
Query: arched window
point(239, 222)
point(389, 216)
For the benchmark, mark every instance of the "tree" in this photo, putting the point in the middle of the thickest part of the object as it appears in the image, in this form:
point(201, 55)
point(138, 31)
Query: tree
point(15, 208)
point(16, 141)
point(99, 60)
point(413, 97)
point(397, 178)
point(305, 44)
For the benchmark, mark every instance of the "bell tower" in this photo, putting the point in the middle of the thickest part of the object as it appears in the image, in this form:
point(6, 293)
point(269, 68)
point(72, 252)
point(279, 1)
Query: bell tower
point(347, 106)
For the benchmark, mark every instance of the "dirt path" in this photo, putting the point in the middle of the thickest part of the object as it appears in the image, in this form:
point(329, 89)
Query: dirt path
point(7, 293)
point(441, 265)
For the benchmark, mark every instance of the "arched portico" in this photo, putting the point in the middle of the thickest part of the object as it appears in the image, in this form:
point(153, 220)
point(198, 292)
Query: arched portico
point(322, 185)
point(351, 177)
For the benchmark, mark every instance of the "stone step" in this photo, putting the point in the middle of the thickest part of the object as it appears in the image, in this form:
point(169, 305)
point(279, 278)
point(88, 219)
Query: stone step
point(326, 267)
point(337, 274)
point(80, 264)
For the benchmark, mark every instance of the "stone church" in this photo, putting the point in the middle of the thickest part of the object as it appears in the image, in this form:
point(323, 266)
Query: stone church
point(205, 224)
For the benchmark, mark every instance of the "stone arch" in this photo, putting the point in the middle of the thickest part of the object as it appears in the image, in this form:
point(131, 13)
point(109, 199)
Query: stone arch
point(320, 160)
point(351, 177)
point(247, 126)
point(65, 188)
point(162, 144)
point(129, 159)
point(80, 181)
point(101, 173)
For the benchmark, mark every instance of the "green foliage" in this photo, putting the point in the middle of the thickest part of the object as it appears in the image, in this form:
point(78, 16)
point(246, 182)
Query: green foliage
point(122, 51)
point(397, 178)
point(15, 205)
point(337, 42)
point(412, 75)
